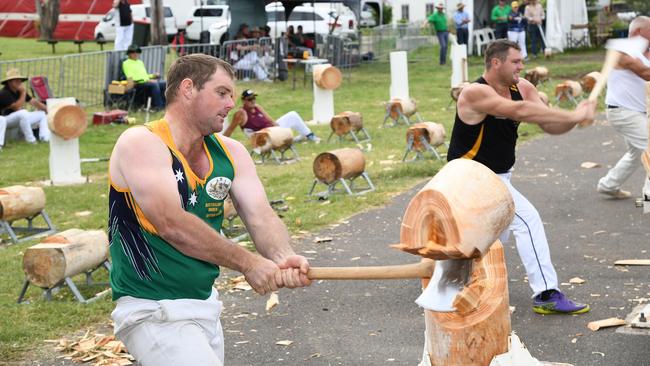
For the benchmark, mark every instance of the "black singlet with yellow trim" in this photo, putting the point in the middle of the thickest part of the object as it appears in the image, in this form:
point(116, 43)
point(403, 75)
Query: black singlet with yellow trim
point(490, 142)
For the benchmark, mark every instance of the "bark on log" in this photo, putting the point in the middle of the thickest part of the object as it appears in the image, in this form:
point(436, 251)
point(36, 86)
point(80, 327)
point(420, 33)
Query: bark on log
point(272, 138)
point(566, 88)
point(407, 107)
point(433, 133)
point(455, 91)
point(19, 202)
point(588, 81)
point(345, 163)
point(63, 255)
point(479, 329)
point(345, 122)
point(328, 77)
point(67, 121)
point(458, 214)
point(543, 96)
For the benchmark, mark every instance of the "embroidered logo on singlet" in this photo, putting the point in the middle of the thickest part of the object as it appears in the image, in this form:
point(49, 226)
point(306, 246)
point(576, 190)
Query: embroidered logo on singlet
point(218, 187)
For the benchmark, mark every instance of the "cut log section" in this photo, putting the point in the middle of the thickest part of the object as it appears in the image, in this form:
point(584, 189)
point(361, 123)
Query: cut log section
point(536, 75)
point(479, 329)
point(328, 77)
point(401, 106)
point(347, 163)
point(19, 202)
point(543, 96)
point(458, 214)
point(67, 121)
point(588, 81)
point(345, 122)
point(433, 133)
point(66, 254)
point(271, 138)
point(455, 91)
point(568, 88)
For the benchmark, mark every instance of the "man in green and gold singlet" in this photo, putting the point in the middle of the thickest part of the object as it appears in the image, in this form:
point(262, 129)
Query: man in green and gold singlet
point(168, 182)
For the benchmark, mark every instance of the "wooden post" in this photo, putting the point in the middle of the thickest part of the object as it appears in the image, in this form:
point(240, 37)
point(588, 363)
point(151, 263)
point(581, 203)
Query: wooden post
point(330, 78)
point(19, 202)
point(66, 254)
point(67, 122)
point(346, 163)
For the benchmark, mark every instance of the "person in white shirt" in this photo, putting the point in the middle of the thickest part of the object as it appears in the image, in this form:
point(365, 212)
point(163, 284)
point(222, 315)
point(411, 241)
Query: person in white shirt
point(534, 14)
point(626, 112)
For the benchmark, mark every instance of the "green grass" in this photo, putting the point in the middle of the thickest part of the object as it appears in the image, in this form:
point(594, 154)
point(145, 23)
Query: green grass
point(24, 327)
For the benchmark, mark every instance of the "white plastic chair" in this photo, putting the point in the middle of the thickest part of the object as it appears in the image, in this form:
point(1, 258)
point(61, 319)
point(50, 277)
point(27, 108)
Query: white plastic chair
point(480, 40)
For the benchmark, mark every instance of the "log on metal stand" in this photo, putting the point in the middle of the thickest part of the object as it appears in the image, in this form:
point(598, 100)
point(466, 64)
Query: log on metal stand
point(568, 90)
point(536, 75)
point(346, 123)
point(424, 136)
point(268, 140)
point(401, 109)
point(588, 81)
point(328, 78)
point(340, 165)
point(18, 203)
point(67, 121)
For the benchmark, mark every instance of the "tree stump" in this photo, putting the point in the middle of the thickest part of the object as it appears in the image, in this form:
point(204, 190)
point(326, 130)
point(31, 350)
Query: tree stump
point(346, 163)
point(480, 327)
point(19, 202)
point(328, 77)
point(346, 122)
point(458, 214)
point(568, 89)
point(588, 81)
point(66, 254)
point(433, 133)
point(67, 121)
point(271, 138)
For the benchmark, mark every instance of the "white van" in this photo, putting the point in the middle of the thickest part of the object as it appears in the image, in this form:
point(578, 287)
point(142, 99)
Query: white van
point(105, 29)
point(313, 20)
point(215, 18)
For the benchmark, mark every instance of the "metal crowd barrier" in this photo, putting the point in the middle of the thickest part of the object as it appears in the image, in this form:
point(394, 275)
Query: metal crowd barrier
point(378, 42)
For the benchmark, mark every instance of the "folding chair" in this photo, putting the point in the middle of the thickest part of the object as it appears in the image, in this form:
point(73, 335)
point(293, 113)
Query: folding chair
point(40, 88)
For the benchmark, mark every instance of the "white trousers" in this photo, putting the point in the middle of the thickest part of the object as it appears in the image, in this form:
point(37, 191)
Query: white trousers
point(531, 241)
point(633, 126)
point(171, 332)
point(252, 62)
point(123, 37)
point(26, 120)
point(520, 39)
point(290, 120)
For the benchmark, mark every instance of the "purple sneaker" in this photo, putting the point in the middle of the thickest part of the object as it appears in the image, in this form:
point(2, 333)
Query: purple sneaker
point(557, 303)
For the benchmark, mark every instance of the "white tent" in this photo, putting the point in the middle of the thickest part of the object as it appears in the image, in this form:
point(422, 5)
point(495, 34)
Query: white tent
point(560, 15)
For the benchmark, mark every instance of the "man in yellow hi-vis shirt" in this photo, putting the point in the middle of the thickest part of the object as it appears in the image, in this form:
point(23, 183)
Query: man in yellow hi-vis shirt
point(135, 70)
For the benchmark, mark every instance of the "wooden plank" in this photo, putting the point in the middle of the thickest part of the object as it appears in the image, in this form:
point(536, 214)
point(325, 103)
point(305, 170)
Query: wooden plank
point(633, 262)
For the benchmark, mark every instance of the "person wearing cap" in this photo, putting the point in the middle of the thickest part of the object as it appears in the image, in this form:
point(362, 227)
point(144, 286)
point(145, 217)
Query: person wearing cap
point(534, 14)
point(13, 97)
point(124, 30)
point(252, 117)
point(135, 70)
point(245, 55)
point(168, 183)
point(461, 20)
point(517, 28)
point(438, 21)
point(499, 16)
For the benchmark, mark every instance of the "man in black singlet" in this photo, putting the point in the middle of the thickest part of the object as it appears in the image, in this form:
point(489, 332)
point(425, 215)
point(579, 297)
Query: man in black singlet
point(124, 26)
point(485, 129)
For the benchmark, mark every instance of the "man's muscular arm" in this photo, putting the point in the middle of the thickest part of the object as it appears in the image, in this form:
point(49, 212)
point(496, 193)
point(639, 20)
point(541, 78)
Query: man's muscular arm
point(635, 65)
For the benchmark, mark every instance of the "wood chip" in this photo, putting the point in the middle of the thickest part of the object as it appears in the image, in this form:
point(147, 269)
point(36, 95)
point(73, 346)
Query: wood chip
point(589, 165)
point(83, 213)
point(577, 281)
point(610, 322)
point(243, 286)
point(284, 343)
point(323, 239)
point(272, 302)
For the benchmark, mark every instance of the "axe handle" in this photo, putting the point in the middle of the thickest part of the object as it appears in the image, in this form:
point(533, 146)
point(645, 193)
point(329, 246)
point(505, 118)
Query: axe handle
point(415, 270)
point(611, 60)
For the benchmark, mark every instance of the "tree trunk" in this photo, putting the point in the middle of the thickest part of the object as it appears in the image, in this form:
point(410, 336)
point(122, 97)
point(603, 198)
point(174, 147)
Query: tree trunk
point(67, 120)
point(341, 163)
point(458, 214)
point(19, 202)
point(48, 14)
point(329, 77)
point(345, 122)
point(271, 138)
point(63, 255)
point(433, 133)
point(158, 34)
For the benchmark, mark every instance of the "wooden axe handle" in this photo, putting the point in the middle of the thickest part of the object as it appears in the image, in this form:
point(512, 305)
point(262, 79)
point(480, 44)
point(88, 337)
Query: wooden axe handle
point(611, 59)
point(415, 270)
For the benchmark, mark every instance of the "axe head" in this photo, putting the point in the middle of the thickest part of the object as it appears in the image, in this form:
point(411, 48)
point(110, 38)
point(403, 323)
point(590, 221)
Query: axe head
point(449, 278)
point(629, 46)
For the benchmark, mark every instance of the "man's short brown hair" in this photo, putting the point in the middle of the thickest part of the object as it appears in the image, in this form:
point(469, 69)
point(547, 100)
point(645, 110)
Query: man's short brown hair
point(499, 49)
point(198, 67)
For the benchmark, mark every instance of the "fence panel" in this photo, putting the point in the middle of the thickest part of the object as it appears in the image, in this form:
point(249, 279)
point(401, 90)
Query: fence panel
point(49, 67)
point(378, 42)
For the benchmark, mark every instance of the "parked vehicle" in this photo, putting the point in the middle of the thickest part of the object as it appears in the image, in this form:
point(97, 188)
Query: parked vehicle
point(105, 29)
point(213, 18)
point(313, 20)
point(367, 17)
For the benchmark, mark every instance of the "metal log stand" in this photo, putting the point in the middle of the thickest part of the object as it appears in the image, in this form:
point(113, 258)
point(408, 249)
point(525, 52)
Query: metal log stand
point(400, 116)
point(419, 154)
point(277, 155)
point(29, 231)
point(348, 186)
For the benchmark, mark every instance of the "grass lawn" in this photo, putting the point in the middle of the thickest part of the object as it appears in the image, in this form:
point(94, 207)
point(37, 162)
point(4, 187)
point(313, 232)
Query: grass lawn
point(24, 327)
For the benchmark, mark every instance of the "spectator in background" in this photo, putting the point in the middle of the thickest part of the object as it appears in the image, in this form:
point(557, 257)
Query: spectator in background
point(461, 19)
point(438, 21)
point(135, 70)
point(13, 97)
point(245, 57)
point(500, 17)
point(124, 31)
point(534, 14)
point(517, 28)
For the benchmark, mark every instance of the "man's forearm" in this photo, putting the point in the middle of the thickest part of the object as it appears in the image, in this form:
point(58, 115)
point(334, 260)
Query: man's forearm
point(272, 239)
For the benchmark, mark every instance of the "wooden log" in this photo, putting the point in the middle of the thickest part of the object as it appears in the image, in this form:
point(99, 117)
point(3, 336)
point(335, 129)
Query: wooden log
point(588, 81)
point(543, 96)
point(536, 75)
point(63, 255)
point(19, 202)
point(406, 107)
point(67, 121)
point(455, 91)
point(458, 214)
point(328, 77)
point(271, 138)
point(433, 133)
point(566, 88)
point(345, 122)
point(479, 330)
point(344, 163)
